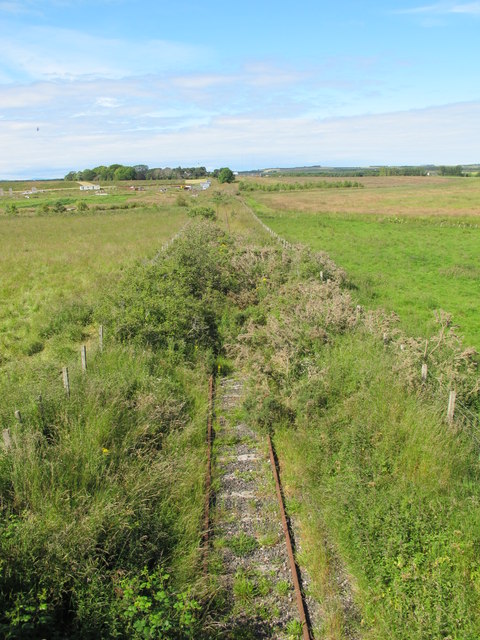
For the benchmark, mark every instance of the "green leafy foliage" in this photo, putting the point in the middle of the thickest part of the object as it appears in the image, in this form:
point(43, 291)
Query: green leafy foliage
point(225, 175)
point(11, 209)
point(152, 610)
point(207, 213)
point(173, 301)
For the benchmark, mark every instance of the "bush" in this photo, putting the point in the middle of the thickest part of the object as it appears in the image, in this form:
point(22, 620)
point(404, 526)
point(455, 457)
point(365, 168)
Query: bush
point(226, 175)
point(181, 200)
point(207, 213)
point(59, 207)
point(11, 209)
point(176, 300)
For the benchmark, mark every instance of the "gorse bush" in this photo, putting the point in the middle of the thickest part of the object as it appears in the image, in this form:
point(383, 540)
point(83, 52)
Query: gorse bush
point(175, 301)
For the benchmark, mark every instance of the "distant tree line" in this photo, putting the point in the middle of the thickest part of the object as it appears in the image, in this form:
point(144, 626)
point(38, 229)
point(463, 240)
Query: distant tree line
point(402, 171)
point(456, 170)
point(136, 172)
point(354, 172)
point(298, 186)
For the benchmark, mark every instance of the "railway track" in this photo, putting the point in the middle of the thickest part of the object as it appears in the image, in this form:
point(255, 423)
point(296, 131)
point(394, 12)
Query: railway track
point(248, 553)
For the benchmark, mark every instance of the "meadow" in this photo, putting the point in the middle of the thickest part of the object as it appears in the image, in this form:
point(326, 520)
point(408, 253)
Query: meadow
point(57, 261)
point(409, 245)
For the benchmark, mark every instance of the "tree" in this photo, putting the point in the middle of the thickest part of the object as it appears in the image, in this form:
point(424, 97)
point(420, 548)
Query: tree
point(225, 175)
point(124, 173)
point(140, 171)
point(88, 175)
point(101, 172)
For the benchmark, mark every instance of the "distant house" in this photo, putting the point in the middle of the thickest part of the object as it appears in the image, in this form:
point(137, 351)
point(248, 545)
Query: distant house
point(89, 187)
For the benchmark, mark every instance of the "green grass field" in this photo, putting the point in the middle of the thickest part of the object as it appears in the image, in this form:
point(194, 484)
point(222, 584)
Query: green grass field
point(50, 262)
point(406, 263)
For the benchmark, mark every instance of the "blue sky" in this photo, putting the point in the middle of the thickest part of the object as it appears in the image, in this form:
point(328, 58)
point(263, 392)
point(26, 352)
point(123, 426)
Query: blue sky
point(248, 85)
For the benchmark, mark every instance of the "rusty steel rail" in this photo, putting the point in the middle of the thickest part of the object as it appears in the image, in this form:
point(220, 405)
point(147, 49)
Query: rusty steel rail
point(208, 478)
point(288, 540)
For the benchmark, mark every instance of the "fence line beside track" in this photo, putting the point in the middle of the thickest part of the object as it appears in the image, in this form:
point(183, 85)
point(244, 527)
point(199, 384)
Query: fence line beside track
point(285, 243)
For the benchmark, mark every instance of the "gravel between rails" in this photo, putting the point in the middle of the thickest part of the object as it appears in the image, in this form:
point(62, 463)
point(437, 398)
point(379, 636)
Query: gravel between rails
point(249, 559)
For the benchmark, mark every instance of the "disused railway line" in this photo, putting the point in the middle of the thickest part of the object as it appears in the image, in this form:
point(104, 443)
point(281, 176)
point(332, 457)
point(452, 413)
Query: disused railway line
point(294, 570)
point(207, 523)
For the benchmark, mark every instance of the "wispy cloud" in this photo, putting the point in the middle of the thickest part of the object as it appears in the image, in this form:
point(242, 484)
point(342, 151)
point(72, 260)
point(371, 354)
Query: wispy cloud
point(445, 8)
point(37, 52)
point(443, 135)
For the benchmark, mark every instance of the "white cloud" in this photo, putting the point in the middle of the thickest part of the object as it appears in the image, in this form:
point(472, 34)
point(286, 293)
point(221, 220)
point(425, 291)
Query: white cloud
point(107, 103)
point(442, 8)
point(15, 8)
point(203, 81)
point(442, 135)
point(52, 53)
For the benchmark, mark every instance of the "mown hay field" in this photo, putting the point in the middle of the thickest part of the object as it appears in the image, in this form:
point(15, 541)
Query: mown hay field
point(409, 245)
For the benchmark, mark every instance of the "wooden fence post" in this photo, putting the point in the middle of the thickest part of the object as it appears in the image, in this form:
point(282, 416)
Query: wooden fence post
point(84, 358)
point(66, 380)
point(424, 372)
point(7, 440)
point(451, 405)
point(100, 337)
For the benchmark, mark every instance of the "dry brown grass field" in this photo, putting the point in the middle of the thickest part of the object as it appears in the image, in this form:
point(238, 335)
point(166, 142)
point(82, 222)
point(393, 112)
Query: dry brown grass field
point(409, 244)
point(396, 195)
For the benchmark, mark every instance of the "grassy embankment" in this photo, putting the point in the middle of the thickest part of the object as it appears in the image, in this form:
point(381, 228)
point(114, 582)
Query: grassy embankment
point(409, 245)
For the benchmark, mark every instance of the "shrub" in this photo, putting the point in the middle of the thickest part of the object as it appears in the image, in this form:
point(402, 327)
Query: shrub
point(11, 209)
point(59, 207)
point(207, 213)
point(181, 200)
